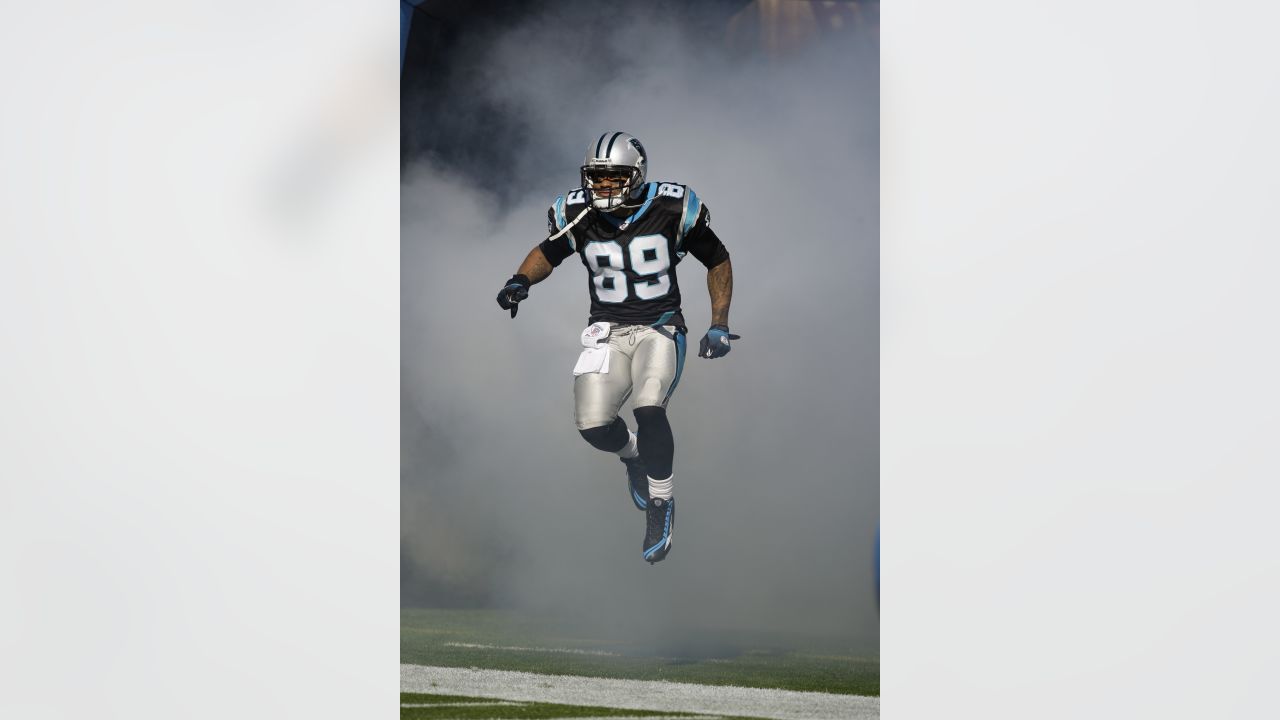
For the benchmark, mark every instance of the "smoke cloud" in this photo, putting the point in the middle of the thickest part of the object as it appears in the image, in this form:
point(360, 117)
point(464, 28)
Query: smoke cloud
point(776, 462)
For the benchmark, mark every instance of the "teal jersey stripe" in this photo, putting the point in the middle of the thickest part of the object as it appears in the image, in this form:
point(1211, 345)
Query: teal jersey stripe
point(692, 206)
point(680, 346)
point(561, 221)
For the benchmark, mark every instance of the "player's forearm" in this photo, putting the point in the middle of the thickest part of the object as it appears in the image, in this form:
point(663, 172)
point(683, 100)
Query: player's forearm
point(536, 267)
point(720, 287)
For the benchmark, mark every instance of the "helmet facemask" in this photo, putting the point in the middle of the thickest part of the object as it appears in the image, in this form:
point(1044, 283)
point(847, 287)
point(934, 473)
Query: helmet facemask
point(610, 186)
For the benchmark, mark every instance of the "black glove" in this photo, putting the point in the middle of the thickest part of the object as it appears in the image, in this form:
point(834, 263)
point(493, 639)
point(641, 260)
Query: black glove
point(516, 289)
point(716, 342)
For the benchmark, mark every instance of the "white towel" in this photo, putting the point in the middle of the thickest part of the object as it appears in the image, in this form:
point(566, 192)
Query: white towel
point(595, 358)
point(592, 360)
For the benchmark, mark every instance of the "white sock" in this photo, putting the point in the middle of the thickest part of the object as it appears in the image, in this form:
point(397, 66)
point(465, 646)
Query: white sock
point(660, 488)
point(631, 449)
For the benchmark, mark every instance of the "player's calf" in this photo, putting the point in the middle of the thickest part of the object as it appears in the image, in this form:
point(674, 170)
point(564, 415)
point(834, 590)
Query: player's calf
point(657, 446)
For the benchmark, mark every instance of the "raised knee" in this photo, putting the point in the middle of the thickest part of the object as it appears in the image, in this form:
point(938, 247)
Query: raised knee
point(594, 435)
point(610, 437)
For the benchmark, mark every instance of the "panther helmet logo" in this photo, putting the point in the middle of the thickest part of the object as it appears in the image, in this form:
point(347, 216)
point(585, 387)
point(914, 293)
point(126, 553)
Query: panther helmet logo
point(640, 149)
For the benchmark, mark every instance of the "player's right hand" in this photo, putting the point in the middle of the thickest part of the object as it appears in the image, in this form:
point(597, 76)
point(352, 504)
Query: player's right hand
point(516, 289)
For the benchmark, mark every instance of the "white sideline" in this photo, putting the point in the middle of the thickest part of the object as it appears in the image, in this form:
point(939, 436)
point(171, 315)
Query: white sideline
point(495, 703)
point(571, 651)
point(638, 694)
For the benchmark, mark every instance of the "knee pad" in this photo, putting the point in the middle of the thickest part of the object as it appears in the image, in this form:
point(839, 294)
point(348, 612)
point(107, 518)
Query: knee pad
point(609, 438)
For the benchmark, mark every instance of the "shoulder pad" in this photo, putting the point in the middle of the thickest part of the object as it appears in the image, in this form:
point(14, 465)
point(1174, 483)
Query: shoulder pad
point(689, 209)
point(560, 208)
point(672, 190)
point(576, 196)
point(668, 197)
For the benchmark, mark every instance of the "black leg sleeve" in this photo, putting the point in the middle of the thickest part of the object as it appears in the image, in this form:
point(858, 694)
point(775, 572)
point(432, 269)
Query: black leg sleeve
point(657, 447)
point(609, 438)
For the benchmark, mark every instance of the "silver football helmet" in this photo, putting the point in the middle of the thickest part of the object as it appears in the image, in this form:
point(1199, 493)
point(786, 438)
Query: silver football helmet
point(614, 170)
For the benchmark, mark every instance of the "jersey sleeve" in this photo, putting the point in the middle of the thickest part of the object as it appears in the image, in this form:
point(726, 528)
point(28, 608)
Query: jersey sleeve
point(562, 247)
point(699, 239)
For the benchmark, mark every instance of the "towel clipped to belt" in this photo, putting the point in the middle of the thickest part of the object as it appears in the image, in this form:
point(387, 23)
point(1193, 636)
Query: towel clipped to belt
point(595, 358)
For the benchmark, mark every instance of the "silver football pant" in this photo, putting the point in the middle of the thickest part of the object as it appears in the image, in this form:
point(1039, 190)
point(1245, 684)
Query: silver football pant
point(646, 360)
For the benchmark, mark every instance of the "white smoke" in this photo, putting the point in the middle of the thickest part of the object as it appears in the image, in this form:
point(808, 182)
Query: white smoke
point(776, 459)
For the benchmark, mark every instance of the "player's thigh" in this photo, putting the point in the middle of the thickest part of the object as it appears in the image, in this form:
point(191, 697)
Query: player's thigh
point(656, 366)
point(597, 397)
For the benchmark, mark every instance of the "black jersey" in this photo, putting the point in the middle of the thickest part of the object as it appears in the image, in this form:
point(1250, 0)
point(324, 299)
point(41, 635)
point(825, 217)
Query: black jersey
point(631, 261)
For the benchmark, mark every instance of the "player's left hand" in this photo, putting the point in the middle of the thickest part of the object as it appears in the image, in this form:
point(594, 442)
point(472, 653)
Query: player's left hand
point(716, 342)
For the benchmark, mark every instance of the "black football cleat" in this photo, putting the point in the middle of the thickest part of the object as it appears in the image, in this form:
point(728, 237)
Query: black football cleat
point(637, 482)
point(660, 517)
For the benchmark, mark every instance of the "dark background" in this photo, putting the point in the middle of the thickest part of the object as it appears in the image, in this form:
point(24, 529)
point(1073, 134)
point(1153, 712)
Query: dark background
point(448, 41)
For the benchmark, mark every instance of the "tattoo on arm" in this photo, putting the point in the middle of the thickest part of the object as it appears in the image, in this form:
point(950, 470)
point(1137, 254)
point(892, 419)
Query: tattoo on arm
point(535, 266)
point(720, 287)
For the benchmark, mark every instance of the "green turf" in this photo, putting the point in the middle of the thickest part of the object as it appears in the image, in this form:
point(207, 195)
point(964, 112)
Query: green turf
point(519, 711)
point(712, 658)
point(420, 698)
point(491, 709)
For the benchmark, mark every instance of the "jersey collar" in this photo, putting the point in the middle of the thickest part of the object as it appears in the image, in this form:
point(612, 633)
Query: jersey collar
point(623, 224)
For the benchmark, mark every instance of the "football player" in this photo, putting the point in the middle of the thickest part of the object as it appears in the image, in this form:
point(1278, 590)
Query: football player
point(630, 234)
